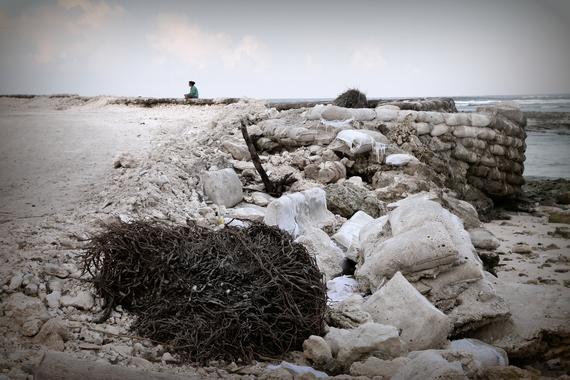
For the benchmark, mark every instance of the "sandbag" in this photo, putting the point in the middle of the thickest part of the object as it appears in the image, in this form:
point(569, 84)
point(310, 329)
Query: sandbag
point(331, 112)
point(315, 112)
point(348, 234)
point(419, 252)
point(399, 304)
point(294, 212)
point(363, 114)
point(353, 142)
point(486, 354)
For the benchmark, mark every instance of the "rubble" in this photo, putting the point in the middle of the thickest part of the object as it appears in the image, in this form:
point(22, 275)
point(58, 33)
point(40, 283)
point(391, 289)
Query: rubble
point(348, 346)
point(347, 198)
point(418, 280)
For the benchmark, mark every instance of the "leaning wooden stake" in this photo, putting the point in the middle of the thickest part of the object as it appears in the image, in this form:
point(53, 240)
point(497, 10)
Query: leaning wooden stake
point(270, 187)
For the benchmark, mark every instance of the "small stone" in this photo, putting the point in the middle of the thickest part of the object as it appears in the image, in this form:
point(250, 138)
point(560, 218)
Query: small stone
point(31, 327)
point(83, 300)
point(31, 289)
point(482, 238)
point(261, 199)
point(316, 349)
point(90, 336)
point(168, 358)
point(125, 160)
point(121, 349)
point(15, 282)
point(55, 270)
point(22, 308)
point(53, 299)
point(53, 334)
point(521, 248)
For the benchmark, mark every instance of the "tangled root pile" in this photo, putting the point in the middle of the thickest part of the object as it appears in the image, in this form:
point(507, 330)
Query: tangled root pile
point(236, 293)
point(352, 98)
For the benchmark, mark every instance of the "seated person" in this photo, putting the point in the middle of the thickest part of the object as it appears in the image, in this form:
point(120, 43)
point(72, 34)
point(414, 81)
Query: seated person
point(193, 94)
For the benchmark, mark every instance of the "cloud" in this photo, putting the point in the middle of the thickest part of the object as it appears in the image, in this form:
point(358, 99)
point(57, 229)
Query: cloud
point(52, 33)
point(176, 38)
point(94, 14)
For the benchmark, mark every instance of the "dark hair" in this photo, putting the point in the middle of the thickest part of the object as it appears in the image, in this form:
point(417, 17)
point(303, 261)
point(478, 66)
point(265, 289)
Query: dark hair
point(192, 83)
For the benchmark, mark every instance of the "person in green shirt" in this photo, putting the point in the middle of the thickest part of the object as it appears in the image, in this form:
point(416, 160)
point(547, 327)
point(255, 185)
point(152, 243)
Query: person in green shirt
point(193, 94)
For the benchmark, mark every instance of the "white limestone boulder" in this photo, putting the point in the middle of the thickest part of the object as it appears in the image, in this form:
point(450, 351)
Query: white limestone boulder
point(348, 346)
point(223, 187)
point(430, 365)
point(329, 257)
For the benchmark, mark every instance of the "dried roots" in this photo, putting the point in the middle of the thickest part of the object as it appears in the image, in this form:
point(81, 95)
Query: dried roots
point(228, 294)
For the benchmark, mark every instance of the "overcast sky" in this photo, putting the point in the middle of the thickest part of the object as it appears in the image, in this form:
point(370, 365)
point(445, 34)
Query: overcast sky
point(285, 49)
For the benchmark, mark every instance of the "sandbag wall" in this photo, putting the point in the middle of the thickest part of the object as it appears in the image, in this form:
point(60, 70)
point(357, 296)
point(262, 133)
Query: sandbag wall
point(487, 147)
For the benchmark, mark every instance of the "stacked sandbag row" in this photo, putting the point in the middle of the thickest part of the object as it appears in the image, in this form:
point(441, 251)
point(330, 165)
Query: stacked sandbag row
point(489, 144)
point(440, 105)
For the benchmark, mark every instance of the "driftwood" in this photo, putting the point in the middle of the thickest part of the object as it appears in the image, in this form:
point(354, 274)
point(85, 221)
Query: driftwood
point(272, 188)
point(59, 366)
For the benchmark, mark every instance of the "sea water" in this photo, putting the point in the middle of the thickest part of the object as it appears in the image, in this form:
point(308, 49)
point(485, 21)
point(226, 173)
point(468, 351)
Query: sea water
point(547, 155)
point(548, 150)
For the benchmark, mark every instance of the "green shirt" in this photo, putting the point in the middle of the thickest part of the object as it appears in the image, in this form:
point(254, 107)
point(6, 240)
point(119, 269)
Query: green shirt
point(193, 92)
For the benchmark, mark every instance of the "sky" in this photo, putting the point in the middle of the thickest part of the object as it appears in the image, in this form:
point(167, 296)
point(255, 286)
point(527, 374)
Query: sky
point(285, 49)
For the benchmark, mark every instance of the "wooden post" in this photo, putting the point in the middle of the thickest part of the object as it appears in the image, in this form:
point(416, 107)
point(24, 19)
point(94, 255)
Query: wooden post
point(269, 185)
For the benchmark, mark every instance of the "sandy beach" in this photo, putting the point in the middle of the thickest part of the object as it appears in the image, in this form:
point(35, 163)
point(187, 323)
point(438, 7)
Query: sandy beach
point(67, 167)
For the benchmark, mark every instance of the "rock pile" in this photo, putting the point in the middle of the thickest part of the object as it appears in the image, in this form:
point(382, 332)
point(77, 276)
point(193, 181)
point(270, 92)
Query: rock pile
point(377, 203)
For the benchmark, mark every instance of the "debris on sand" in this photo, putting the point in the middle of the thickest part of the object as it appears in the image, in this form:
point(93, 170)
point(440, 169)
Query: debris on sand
point(227, 294)
point(352, 98)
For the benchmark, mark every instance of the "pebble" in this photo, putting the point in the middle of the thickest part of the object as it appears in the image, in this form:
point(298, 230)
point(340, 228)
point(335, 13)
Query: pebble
point(56, 270)
point(55, 285)
point(31, 327)
point(53, 299)
point(168, 358)
point(83, 300)
point(31, 289)
point(521, 248)
point(15, 282)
